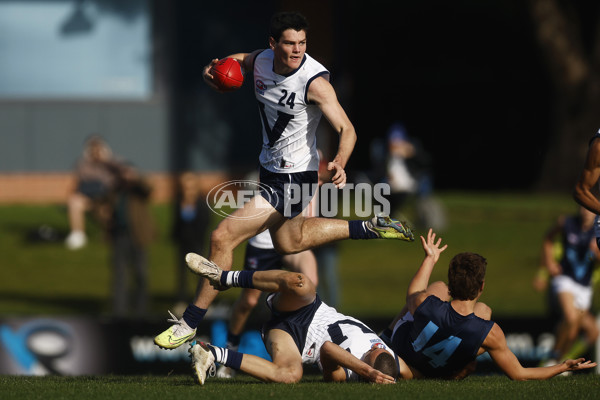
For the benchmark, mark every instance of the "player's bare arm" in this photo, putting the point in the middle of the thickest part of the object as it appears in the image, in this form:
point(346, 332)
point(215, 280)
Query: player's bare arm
point(589, 177)
point(495, 344)
point(334, 359)
point(549, 261)
point(245, 59)
point(416, 292)
point(322, 93)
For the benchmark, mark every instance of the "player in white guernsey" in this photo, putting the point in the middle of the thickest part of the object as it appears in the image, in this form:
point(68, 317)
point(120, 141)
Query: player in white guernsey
point(293, 92)
point(260, 255)
point(303, 330)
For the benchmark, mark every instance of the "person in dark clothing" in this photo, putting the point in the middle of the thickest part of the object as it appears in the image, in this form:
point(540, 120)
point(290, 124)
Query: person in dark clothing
point(190, 224)
point(131, 230)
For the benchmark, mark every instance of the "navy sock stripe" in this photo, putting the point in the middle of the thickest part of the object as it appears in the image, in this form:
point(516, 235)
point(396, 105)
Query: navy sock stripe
point(193, 315)
point(224, 275)
point(358, 230)
point(237, 279)
point(244, 279)
point(234, 359)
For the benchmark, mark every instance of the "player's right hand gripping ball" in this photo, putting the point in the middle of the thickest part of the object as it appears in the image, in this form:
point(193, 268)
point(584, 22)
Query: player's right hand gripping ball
point(227, 74)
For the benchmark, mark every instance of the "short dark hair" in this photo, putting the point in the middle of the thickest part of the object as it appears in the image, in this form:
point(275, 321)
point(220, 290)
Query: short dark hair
point(386, 363)
point(287, 20)
point(466, 274)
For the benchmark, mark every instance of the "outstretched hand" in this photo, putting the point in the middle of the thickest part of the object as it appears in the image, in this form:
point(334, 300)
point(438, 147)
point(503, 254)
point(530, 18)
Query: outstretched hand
point(377, 376)
point(431, 247)
point(575, 365)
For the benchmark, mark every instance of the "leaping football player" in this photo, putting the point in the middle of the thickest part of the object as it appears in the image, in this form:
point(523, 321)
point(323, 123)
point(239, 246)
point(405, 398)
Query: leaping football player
point(293, 91)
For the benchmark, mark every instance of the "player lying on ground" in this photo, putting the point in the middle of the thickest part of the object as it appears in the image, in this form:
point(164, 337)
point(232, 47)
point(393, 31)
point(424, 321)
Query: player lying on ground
point(302, 329)
point(444, 328)
point(261, 256)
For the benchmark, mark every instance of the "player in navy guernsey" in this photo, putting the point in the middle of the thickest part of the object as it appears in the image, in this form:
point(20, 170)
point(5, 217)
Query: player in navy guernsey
point(443, 328)
point(572, 281)
point(440, 342)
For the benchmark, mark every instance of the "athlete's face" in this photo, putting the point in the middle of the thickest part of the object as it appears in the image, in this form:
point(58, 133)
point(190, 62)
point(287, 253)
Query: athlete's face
point(289, 50)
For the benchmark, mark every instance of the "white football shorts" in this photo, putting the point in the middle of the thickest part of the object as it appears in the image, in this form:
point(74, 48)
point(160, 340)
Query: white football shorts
point(582, 295)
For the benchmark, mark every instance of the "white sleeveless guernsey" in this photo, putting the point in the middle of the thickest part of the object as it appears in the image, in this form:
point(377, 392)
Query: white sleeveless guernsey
point(289, 123)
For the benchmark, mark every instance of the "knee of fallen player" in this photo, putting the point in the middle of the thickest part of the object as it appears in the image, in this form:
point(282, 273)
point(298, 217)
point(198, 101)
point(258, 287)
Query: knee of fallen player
point(287, 375)
point(298, 283)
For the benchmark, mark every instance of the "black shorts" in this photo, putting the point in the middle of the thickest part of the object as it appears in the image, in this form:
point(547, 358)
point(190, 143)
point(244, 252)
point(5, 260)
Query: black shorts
point(257, 259)
point(289, 193)
point(295, 323)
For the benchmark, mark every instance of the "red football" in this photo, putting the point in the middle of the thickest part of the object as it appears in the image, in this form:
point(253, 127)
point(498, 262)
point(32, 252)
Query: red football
point(227, 74)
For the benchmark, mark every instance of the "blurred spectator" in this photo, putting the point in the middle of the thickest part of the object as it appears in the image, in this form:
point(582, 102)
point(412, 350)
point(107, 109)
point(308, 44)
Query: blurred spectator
point(571, 286)
point(190, 223)
point(408, 172)
point(401, 180)
point(96, 174)
point(131, 229)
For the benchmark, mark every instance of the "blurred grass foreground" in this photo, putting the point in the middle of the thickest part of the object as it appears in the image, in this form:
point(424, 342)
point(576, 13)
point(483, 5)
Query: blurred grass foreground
point(39, 276)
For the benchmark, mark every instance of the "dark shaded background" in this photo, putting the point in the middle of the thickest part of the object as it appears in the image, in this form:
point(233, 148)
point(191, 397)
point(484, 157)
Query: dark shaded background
point(466, 77)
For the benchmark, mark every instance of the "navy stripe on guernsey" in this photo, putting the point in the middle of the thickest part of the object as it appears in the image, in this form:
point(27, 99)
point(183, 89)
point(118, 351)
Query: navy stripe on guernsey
point(308, 85)
point(335, 332)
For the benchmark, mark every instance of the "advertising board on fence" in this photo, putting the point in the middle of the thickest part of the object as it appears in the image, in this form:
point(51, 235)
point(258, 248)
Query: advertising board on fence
point(86, 346)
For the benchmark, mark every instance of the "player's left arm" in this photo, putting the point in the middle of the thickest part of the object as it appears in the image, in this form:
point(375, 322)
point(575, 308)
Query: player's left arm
point(334, 359)
point(323, 95)
point(589, 177)
point(417, 287)
point(495, 344)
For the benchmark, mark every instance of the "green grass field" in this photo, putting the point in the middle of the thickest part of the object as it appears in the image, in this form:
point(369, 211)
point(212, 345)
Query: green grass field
point(181, 387)
point(507, 228)
point(47, 279)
